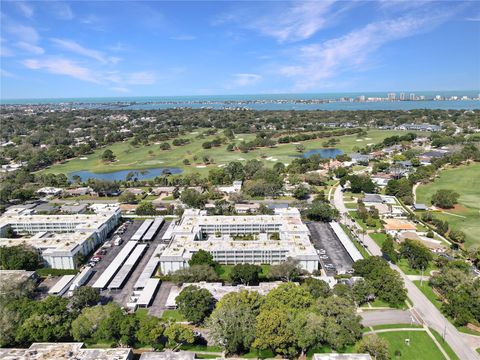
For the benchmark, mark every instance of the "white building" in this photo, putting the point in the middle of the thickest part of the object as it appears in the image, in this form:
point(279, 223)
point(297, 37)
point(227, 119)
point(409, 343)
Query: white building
point(260, 239)
point(60, 238)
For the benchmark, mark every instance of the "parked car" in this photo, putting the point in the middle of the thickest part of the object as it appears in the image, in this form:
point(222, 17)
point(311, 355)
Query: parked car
point(323, 257)
point(92, 263)
point(118, 241)
point(96, 258)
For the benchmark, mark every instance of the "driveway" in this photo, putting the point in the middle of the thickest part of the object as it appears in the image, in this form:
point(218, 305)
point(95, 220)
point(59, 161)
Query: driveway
point(384, 317)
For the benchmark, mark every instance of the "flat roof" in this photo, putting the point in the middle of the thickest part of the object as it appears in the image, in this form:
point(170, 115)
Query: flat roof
point(61, 285)
point(294, 234)
point(346, 242)
point(127, 267)
point(42, 351)
point(168, 355)
point(152, 231)
point(110, 271)
point(142, 230)
point(148, 292)
point(150, 267)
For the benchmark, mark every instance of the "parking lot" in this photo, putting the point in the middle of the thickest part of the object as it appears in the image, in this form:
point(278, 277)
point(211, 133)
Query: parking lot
point(122, 295)
point(323, 237)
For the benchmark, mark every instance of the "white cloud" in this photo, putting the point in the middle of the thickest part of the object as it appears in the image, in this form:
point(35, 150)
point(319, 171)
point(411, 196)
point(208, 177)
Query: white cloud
point(316, 63)
point(120, 89)
point(31, 48)
point(25, 33)
point(140, 78)
point(5, 51)
point(25, 9)
point(244, 79)
point(5, 73)
point(62, 66)
point(75, 47)
point(184, 37)
point(61, 10)
point(298, 21)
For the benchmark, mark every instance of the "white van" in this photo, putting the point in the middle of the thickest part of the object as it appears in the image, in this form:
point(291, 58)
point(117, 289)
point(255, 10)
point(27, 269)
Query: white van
point(118, 240)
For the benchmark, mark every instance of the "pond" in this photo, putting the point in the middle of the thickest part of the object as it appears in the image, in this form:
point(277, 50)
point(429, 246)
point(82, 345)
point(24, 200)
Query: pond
point(121, 175)
point(324, 153)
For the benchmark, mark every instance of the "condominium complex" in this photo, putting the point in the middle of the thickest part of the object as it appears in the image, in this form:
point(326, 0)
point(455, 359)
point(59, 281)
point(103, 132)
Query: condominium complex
point(260, 239)
point(60, 238)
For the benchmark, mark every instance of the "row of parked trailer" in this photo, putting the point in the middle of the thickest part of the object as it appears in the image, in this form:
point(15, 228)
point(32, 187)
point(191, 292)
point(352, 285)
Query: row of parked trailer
point(123, 264)
point(71, 282)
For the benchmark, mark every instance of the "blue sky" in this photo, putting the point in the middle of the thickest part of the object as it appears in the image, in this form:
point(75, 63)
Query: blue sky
point(111, 48)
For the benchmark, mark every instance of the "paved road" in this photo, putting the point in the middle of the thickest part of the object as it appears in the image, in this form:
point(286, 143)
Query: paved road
point(383, 317)
point(425, 309)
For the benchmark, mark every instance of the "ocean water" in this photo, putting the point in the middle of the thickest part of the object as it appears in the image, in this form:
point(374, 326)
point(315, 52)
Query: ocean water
point(264, 101)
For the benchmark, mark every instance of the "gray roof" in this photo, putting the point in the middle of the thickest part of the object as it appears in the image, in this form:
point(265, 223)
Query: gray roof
point(372, 198)
point(420, 206)
point(168, 355)
point(73, 209)
point(45, 208)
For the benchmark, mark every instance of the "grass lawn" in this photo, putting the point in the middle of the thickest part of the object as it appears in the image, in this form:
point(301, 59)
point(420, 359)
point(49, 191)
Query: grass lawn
point(359, 247)
point(427, 290)
point(224, 271)
point(172, 315)
point(260, 354)
point(465, 180)
point(421, 345)
point(378, 224)
point(145, 157)
point(379, 238)
point(403, 264)
point(434, 299)
point(205, 348)
point(445, 345)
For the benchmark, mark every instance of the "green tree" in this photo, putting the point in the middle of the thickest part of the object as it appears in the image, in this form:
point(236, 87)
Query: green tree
point(87, 323)
point(233, 319)
point(418, 255)
point(287, 270)
point(192, 198)
point(288, 296)
point(202, 257)
point(150, 331)
point(165, 146)
point(321, 211)
point(84, 296)
point(245, 274)
point(178, 334)
point(376, 346)
point(108, 156)
point(195, 304)
point(195, 273)
point(301, 192)
point(388, 249)
point(145, 208)
point(445, 199)
point(308, 330)
point(19, 257)
point(317, 288)
point(127, 198)
point(273, 331)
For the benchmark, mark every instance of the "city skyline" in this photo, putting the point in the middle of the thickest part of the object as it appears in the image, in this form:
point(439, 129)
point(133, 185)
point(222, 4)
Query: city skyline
point(71, 49)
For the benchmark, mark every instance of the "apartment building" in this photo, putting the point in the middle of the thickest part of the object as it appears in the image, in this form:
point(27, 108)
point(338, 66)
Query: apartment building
point(259, 239)
point(60, 238)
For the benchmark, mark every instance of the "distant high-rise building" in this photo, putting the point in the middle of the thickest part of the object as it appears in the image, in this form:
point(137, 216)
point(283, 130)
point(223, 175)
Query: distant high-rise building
point(361, 98)
point(391, 96)
point(402, 96)
point(412, 96)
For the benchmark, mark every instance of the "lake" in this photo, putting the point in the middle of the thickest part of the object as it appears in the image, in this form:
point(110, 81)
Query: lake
point(120, 175)
point(324, 153)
